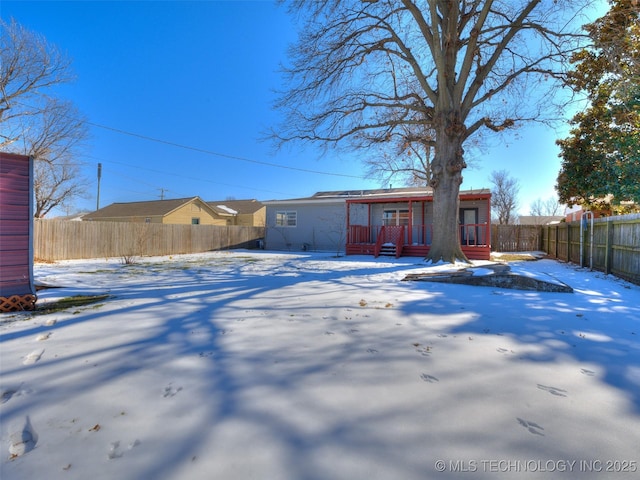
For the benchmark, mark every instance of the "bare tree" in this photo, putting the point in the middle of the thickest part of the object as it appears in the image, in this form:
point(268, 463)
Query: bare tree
point(33, 122)
point(537, 208)
point(406, 161)
point(504, 196)
point(363, 72)
point(54, 139)
point(29, 66)
point(549, 207)
point(55, 185)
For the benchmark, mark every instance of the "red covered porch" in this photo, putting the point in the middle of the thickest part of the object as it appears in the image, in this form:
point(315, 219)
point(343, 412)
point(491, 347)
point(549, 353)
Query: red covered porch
point(402, 225)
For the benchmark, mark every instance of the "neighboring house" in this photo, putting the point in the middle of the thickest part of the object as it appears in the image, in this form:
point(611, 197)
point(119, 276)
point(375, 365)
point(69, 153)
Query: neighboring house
point(600, 207)
point(75, 217)
point(576, 212)
point(17, 291)
point(396, 221)
point(540, 219)
point(250, 213)
point(184, 211)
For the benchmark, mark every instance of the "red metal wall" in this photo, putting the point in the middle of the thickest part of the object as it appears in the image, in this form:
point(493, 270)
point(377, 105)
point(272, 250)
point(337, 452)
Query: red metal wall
point(16, 225)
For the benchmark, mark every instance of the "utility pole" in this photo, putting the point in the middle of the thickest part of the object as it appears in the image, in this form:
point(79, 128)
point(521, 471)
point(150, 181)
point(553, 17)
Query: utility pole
point(99, 178)
point(161, 193)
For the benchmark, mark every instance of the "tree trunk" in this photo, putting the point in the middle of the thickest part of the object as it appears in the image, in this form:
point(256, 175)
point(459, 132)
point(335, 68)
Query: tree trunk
point(448, 164)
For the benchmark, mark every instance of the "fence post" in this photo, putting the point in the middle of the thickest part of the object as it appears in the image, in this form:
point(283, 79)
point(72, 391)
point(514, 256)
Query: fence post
point(608, 253)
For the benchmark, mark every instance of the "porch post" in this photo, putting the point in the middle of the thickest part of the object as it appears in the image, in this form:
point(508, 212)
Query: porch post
point(424, 227)
point(410, 233)
point(348, 223)
point(489, 222)
point(369, 222)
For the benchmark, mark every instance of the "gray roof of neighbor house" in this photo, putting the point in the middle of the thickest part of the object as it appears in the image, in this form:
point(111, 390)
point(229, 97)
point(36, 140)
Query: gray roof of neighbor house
point(238, 206)
point(152, 208)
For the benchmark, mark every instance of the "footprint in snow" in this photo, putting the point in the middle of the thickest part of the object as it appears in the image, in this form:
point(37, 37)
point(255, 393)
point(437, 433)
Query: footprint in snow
point(7, 394)
point(114, 449)
point(13, 391)
point(23, 441)
point(558, 392)
point(588, 373)
point(43, 336)
point(429, 378)
point(372, 350)
point(533, 428)
point(33, 357)
point(170, 391)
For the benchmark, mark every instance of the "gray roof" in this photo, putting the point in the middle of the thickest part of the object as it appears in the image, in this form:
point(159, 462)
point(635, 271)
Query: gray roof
point(380, 192)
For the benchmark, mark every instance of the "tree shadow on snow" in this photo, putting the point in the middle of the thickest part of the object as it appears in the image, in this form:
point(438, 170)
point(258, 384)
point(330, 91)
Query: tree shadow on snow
point(206, 333)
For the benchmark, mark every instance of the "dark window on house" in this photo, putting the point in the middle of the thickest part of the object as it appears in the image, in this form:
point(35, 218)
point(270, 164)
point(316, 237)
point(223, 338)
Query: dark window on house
point(195, 221)
point(287, 218)
point(147, 220)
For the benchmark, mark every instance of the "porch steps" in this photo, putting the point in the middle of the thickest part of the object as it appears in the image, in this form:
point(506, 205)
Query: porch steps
point(388, 250)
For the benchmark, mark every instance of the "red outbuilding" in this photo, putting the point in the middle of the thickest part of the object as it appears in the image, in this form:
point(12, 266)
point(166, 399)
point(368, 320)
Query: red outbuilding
point(17, 291)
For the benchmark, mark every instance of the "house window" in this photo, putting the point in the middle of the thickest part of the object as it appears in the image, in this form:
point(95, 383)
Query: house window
point(195, 221)
point(287, 219)
point(395, 217)
point(147, 220)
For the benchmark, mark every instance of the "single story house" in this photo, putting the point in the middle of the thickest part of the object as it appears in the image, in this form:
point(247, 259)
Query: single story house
point(17, 291)
point(182, 211)
point(249, 213)
point(395, 221)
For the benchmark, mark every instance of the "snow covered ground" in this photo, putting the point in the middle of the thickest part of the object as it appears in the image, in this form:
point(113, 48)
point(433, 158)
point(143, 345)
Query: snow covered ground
point(238, 365)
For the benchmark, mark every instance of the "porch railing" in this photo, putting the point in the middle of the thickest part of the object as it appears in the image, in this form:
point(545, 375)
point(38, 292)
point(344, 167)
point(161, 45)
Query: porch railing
point(475, 234)
point(391, 234)
point(471, 234)
point(360, 234)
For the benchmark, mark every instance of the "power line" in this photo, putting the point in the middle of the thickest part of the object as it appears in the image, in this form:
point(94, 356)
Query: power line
point(186, 177)
point(210, 152)
point(218, 154)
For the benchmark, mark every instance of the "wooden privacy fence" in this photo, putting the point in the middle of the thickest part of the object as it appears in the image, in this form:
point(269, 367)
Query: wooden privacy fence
point(62, 240)
point(612, 247)
point(515, 238)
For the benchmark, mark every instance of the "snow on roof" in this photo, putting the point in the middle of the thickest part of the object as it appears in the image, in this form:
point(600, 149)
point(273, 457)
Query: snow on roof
point(227, 209)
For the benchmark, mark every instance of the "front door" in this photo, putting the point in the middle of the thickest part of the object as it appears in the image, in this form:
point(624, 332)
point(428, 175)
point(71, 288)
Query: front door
point(396, 221)
point(468, 226)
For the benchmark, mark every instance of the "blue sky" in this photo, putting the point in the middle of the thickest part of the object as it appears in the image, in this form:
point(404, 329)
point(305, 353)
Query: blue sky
point(201, 74)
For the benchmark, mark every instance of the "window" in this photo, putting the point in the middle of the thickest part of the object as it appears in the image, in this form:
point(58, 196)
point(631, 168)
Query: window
point(395, 217)
point(287, 219)
point(147, 220)
point(195, 221)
